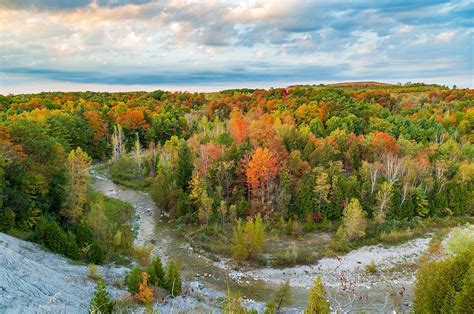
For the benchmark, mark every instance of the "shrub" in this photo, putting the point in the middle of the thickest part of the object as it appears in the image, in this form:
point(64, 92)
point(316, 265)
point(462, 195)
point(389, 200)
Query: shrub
point(461, 238)
point(54, 238)
point(7, 219)
point(317, 302)
point(145, 293)
point(444, 285)
point(133, 280)
point(92, 272)
point(100, 302)
point(143, 255)
point(96, 253)
point(156, 272)
point(173, 279)
point(371, 268)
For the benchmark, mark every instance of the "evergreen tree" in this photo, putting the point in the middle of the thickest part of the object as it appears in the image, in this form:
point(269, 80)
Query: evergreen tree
point(282, 296)
point(232, 304)
point(250, 237)
point(317, 302)
point(100, 302)
point(133, 280)
point(259, 234)
point(239, 247)
point(173, 279)
point(156, 272)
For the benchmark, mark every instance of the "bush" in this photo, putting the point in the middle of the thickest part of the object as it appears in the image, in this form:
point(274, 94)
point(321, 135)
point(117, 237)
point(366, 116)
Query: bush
point(442, 286)
point(143, 255)
point(92, 272)
point(173, 279)
point(156, 272)
point(7, 220)
point(133, 280)
point(461, 237)
point(54, 238)
point(100, 302)
point(371, 268)
point(96, 253)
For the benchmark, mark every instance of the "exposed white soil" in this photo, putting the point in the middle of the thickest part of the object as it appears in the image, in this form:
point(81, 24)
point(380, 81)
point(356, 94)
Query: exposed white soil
point(390, 261)
point(34, 280)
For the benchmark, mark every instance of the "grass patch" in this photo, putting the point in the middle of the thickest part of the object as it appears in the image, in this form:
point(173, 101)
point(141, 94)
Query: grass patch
point(124, 172)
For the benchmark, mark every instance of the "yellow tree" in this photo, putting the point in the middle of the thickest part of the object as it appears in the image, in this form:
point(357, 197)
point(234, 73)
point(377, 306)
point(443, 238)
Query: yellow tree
point(77, 164)
point(354, 220)
point(317, 302)
point(259, 233)
point(239, 247)
point(250, 237)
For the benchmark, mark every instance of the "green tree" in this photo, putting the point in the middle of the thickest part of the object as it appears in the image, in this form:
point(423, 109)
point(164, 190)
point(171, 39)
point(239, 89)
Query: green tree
point(259, 234)
point(239, 247)
point(173, 279)
point(354, 221)
point(317, 302)
point(100, 302)
point(441, 285)
point(156, 272)
point(282, 296)
point(133, 280)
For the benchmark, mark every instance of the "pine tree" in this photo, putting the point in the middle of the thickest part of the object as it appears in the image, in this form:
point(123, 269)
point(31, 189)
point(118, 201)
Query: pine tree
point(317, 302)
point(282, 296)
point(100, 302)
point(259, 234)
point(233, 305)
point(173, 279)
point(354, 220)
point(250, 237)
point(239, 248)
point(133, 279)
point(156, 272)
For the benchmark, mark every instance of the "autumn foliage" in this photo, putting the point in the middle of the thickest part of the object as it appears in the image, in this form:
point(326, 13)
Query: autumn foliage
point(145, 293)
point(262, 168)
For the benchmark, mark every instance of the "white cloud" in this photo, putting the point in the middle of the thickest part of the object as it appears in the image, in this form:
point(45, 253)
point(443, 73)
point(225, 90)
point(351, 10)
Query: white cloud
point(406, 29)
point(445, 36)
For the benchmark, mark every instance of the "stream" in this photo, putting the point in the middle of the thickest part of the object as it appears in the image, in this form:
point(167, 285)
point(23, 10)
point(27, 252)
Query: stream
point(256, 285)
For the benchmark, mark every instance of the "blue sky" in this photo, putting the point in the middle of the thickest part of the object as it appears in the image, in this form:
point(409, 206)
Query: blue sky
point(209, 45)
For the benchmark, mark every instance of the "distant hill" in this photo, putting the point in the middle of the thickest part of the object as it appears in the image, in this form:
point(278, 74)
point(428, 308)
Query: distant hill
point(366, 84)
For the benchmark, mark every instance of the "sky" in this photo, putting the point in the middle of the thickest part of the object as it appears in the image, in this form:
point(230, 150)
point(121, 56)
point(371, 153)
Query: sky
point(206, 45)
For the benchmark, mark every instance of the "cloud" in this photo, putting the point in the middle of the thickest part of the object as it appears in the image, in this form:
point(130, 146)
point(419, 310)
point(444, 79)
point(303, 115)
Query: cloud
point(445, 36)
point(194, 42)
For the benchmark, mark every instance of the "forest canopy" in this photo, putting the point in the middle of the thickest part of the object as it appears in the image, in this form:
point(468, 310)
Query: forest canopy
point(309, 153)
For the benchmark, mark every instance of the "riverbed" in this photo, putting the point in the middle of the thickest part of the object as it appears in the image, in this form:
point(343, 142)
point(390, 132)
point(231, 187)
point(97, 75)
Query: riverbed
point(344, 277)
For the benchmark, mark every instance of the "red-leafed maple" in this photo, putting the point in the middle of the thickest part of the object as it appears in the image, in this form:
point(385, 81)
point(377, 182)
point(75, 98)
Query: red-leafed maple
point(261, 168)
point(384, 143)
point(97, 124)
point(238, 126)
